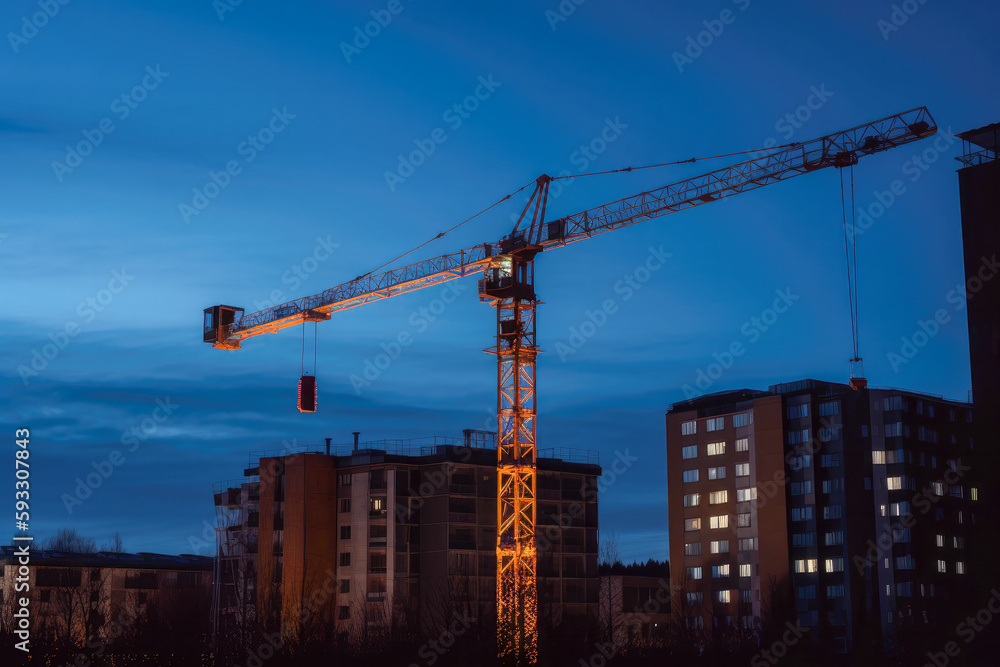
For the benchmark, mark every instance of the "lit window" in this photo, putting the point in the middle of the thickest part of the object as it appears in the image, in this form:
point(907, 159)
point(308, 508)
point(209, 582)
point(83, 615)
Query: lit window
point(717, 497)
point(940, 540)
point(834, 564)
point(692, 573)
point(742, 469)
point(716, 448)
point(720, 570)
point(690, 475)
point(942, 566)
point(974, 493)
point(720, 521)
point(689, 428)
point(958, 542)
point(743, 445)
point(743, 495)
point(689, 452)
point(692, 499)
point(744, 569)
point(719, 547)
point(937, 488)
point(743, 520)
point(692, 524)
point(959, 567)
point(878, 457)
point(723, 596)
point(894, 483)
point(806, 566)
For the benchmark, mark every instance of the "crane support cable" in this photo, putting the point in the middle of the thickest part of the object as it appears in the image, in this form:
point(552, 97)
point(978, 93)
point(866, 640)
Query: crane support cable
point(676, 162)
point(447, 231)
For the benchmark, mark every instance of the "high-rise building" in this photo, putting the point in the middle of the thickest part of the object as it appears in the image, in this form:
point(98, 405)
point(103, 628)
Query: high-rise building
point(398, 536)
point(846, 511)
point(979, 191)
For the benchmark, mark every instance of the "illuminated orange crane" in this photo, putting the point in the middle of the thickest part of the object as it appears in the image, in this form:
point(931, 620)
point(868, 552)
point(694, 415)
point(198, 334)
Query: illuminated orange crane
point(507, 267)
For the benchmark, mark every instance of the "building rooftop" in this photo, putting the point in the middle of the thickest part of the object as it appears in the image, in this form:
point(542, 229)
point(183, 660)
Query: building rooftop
point(984, 137)
point(141, 560)
point(721, 402)
point(430, 449)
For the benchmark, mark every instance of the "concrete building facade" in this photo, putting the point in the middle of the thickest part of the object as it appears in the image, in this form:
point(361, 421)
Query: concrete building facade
point(397, 538)
point(105, 599)
point(847, 511)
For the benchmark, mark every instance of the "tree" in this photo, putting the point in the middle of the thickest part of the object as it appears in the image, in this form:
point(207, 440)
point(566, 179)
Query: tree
point(114, 544)
point(68, 540)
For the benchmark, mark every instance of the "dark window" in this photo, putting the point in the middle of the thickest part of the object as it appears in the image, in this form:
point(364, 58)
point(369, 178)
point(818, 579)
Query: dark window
point(345, 504)
point(377, 563)
point(343, 613)
point(345, 532)
point(140, 580)
point(345, 585)
point(51, 576)
point(345, 559)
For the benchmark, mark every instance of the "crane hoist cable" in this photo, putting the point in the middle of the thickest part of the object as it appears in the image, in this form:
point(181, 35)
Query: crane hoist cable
point(307, 383)
point(857, 373)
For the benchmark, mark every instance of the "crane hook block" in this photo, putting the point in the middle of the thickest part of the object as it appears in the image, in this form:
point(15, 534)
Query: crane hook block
point(307, 393)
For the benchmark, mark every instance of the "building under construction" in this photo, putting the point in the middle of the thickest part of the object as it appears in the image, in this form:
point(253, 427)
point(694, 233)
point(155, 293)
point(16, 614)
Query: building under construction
point(351, 543)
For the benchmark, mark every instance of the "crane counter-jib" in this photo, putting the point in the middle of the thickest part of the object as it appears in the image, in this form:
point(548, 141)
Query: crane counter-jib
point(839, 149)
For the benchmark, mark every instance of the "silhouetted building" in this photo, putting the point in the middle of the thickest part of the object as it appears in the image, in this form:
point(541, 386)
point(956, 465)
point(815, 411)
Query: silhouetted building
point(111, 599)
point(979, 190)
point(848, 511)
point(398, 537)
point(634, 606)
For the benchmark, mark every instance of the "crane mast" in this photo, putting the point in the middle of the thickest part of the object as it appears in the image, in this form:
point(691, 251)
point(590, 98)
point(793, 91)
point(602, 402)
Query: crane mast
point(507, 267)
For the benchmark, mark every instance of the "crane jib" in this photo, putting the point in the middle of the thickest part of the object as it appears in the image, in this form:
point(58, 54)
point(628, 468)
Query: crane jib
point(226, 326)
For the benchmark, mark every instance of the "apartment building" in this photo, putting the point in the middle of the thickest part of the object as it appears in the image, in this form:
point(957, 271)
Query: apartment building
point(635, 605)
point(120, 598)
point(345, 542)
point(979, 296)
point(853, 507)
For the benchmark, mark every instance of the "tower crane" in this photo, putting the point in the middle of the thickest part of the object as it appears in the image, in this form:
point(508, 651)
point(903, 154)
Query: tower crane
point(507, 282)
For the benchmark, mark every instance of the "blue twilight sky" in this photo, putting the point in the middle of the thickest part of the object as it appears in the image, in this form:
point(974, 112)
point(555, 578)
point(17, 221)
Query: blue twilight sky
point(95, 238)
